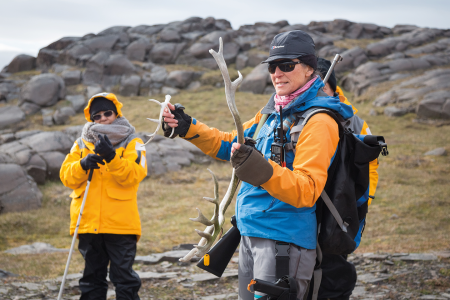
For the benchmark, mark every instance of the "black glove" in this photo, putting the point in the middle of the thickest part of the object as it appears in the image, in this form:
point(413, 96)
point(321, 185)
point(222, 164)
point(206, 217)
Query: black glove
point(104, 148)
point(91, 161)
point(184, 122)
point(251, 166)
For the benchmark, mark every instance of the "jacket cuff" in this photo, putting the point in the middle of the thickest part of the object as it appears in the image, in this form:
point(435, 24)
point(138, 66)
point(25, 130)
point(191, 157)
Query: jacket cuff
point(192, 131)
point(114, 163)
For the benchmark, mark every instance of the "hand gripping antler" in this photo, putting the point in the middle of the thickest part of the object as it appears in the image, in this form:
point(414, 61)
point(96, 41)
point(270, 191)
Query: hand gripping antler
point(214, 225)
point(160, 119)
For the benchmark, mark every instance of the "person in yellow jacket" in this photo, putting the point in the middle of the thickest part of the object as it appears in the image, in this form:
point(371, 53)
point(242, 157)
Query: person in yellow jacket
point(110, 225)
point(338, 275)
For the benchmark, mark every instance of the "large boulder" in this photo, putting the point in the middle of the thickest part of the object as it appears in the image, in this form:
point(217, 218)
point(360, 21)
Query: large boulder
point(256, 81)
point(118, 65)
point(351, 58)
point(63, 114)
point(19, 152)
point(158, 74)
point(71, 77)
point(18, 192)
point(94, 69)
point(78, 102)
point(54, 160)
point(170, 35)
point(44, 90)
point(37, 168)
point(101, 43)
point(181, 79)
point(414, 38)
point(129, 85)
point(49, 141)
point(46, 57)
point(166, 53)
point(138, 49)
point(10, 115)
point(22, 62)
point(435, 105)
point(63, 43)
point(76, 55)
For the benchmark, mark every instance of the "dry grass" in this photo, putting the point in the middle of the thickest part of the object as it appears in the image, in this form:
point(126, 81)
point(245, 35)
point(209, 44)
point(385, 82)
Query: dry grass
point(411, 186)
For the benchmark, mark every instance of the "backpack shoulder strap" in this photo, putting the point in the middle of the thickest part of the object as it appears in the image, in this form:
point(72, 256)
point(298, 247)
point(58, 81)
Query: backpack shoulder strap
point(303, 118)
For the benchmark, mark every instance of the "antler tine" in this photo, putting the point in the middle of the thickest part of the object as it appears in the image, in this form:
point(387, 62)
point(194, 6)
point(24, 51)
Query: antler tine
point(153, 120)
point(203, 234)
point(160, 119)
point(202, 219)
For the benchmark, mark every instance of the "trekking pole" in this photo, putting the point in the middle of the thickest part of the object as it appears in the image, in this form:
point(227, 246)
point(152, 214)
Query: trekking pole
point(337, 59)
point(75, 234)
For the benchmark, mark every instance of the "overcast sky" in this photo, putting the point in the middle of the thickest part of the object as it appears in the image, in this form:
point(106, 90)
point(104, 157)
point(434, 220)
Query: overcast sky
point(28, 25)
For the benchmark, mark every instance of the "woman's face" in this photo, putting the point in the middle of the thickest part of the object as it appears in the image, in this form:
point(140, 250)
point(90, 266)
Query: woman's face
point(105, 119)
point(287, 82)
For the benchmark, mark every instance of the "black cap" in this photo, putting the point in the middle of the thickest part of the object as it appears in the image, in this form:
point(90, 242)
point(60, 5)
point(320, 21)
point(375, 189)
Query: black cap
point(290, 45)
point(323, 65)
point(101, 104)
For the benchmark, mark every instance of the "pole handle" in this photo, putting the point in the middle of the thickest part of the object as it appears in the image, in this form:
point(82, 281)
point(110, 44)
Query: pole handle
point(337, 59)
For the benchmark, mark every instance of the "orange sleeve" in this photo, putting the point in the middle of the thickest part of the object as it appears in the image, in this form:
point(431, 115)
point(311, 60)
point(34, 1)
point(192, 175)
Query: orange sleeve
point(314, 151)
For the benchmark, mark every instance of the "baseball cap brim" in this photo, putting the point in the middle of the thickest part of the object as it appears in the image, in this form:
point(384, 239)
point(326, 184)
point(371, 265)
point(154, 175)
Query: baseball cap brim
point(276, 57)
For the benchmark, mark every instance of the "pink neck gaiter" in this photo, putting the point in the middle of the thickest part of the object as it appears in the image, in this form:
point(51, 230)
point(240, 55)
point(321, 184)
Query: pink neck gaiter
point(285, 100)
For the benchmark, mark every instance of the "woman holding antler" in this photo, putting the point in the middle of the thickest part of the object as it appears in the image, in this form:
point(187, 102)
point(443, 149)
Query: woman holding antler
point(276, 203)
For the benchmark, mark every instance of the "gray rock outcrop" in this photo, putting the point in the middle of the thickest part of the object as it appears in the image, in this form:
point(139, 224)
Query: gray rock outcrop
point(18, 192)
point(22, 62)
point(43, 90)
point(427, 94)
point(256, 81)
point(10, 115)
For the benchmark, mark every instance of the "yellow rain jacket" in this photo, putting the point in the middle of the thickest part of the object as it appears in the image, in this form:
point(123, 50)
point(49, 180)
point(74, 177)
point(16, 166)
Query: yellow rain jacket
point(373, 165)
point(111, 203)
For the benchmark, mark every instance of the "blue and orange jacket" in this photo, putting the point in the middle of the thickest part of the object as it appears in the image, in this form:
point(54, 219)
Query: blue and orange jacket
point(283, 208)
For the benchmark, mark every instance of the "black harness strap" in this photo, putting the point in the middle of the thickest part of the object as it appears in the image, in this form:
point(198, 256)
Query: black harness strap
point(282, 259)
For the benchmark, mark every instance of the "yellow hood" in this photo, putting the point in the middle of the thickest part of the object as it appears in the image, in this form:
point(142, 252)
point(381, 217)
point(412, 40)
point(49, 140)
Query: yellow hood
point(109, 96)
point(344, 99)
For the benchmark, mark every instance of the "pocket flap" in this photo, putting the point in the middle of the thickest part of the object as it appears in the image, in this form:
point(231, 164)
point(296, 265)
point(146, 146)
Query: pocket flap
point(120, 194)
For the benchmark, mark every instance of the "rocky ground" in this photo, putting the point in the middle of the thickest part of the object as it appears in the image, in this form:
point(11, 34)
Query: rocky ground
point(380, 276)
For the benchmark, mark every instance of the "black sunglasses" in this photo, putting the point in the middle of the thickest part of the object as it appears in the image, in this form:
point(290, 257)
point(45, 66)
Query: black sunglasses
point(107, 114)
point(287, 66)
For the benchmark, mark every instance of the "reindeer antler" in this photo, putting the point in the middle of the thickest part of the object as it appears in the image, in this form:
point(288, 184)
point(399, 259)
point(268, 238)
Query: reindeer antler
point(160, 119)
point(214, 225)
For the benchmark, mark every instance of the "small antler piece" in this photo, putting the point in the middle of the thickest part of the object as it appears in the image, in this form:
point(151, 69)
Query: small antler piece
point(160, 119)
point(214, 229)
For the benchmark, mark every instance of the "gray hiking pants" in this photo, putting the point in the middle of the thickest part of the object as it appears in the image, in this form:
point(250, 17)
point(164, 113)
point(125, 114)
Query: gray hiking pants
point(257, 260)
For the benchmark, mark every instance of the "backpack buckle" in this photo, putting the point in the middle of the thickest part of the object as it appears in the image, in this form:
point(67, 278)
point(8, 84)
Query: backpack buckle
point(384, 149)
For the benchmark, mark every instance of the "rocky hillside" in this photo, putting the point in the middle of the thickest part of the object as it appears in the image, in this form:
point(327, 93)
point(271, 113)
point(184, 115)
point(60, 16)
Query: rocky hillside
point(149, 60)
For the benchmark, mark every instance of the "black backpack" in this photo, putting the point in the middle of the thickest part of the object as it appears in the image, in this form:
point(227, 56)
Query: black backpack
point(344, 200)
